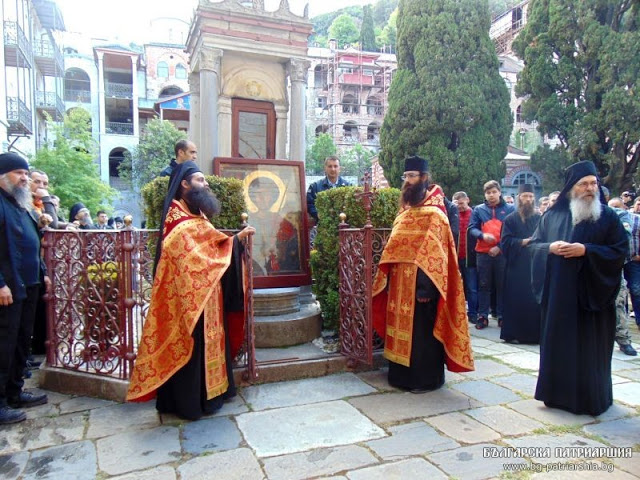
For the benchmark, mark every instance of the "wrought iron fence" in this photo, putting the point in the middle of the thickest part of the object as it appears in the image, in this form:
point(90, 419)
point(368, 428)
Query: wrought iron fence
point(119, 128)
point(18, 115)
point(81, 96)
point(101, 288)
point(119, 90)
point(14, 36)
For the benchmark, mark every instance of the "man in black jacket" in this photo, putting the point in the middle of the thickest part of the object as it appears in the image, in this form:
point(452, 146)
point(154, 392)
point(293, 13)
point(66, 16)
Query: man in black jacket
point(332, 179)
point(185, 151)
point(21, 274)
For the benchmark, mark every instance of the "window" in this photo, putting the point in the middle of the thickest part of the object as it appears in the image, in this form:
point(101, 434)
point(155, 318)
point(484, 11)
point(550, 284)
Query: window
point(519, 114)
point(181, 71)
point(350, 104)
point(526, 177)
point(321, 102)
point(162, 70)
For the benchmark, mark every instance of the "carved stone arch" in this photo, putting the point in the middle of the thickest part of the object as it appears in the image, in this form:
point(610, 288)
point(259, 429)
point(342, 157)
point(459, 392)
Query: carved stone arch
point(251, 82)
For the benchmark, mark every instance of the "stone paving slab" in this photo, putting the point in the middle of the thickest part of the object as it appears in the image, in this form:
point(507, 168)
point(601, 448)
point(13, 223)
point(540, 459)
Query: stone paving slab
point(152, 447)
point(469, 463)
point(520, 382)
point(491, 333)
point(325, 461)
point(479, 342)
point(624, 432)
point(462, 428)
point(415, 438)
point(306, 391)
point(404, 469)
point(75, 461)
point(78, 404)
point(552, 447)
point(122, 417)
point(522, 359)
point(630, 465)
point(554, 416)
point(41, 432)
point(615, 379)
point(378, 379)
point(483, 351)
point(583, 475)
point(615, 411)
point(239, 464)
point(12, 465)
point(163, 472)
point(626, 364)
point(504, 421)
point(628, 393)
point(504, 348)
point(487, 368)
point(630, 374)
point(486, 392)
point(210, 435)
point(295, 429)
point(390, 408)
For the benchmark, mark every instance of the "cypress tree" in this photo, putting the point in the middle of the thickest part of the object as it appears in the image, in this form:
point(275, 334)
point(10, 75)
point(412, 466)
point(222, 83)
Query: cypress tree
point(447, 101)
point(367, 31)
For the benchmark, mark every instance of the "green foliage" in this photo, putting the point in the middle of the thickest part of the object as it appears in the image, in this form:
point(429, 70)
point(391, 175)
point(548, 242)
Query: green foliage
point(497, 7)
point(153, 153)
point(70, 164)
point(356, 161)
point(581, 80)
point(324, 257)
point(344, 30)
point(321, 23)
point(447, 101)
point(388, 35)
point(227, 190)
point(382, 10)
point(321, 148)
point(550, 162)
point(367, 31)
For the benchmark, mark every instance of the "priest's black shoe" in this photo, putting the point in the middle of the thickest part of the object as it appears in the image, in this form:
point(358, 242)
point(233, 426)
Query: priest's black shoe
point(28, 399)
point(9, 415)
point(628, 350)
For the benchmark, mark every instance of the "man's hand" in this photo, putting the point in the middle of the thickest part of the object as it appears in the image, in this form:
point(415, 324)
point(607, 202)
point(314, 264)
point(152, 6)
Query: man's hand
point(41, 192)
point(567, 250)
point(494, 251)
point(245, 232)
point(47, 284)
point(489, 238)
point(6, 298)
point(525, 241)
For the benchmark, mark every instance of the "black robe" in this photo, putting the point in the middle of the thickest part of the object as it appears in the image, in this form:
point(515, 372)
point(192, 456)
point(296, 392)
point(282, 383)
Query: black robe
point(185, 393)
point(426, 370)
point(520, 311)
point(578, 309)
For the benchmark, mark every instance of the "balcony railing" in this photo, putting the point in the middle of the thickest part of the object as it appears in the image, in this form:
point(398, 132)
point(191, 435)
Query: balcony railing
point(19, 117)
point(81, 96)
point(119, 90)
point(14, 37)
point(47, 50)
point(50, 101)
point(119, 128)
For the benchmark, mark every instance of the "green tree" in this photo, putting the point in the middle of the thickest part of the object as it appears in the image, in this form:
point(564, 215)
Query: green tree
point(388, 37)
point(356, 161)
point(70, 164)
point(382, 10)
point(367, 32)
point(344, 30)
point(580, 80)
point(153, 153)
point(550, 162)
point(447, 101)
point(322, 148)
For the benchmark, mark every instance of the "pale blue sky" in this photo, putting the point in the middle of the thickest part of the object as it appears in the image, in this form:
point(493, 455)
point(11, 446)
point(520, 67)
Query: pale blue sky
point(128, 19)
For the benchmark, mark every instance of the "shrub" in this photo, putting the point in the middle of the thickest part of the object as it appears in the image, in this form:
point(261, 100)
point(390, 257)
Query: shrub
point(228, 191)
point(324, 257)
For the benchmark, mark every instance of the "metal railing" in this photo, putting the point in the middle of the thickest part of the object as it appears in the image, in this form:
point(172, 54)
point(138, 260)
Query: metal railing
point(49, 100)
point(119, 90)
point(81, 96)
point(18, 115)
point(119, 128)
point(45, 49)
point(99, 301)
point(14, 36)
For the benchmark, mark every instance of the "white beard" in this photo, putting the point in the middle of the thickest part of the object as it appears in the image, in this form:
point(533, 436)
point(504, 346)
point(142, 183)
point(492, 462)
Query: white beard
point(584, 210)
point(22, 195)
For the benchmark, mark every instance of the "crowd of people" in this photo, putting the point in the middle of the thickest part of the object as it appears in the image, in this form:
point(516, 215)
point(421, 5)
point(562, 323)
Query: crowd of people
point(556, 274)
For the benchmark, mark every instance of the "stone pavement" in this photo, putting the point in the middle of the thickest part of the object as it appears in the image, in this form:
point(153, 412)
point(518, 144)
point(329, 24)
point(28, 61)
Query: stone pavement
point(344, 426)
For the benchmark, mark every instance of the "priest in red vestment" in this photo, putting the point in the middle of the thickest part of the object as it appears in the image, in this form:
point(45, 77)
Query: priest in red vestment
point(190, 336)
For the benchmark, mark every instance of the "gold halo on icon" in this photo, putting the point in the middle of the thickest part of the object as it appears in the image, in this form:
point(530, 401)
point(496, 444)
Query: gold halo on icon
point(251, 206)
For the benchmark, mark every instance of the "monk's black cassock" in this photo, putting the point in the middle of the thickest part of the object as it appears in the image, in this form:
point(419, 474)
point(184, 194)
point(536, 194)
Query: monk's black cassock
point(577, 297)
point(521, 312)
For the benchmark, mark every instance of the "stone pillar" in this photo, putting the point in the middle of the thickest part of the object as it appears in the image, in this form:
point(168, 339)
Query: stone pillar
point(194, 110)
point(104, 165)
point(209, 65)
point(134, 88)
point(225, 117)
point(282, 116)
point(298, 69)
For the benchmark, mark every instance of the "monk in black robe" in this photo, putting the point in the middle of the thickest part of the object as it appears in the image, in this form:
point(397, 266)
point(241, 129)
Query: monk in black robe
point(521, 312)
point(579, 249)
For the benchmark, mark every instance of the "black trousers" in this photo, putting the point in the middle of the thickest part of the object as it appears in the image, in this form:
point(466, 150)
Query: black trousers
point(16, 328)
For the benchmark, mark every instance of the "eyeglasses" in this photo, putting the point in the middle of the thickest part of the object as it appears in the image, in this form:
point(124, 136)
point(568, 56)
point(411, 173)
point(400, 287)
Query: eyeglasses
point(406, 176)
point(593, 184)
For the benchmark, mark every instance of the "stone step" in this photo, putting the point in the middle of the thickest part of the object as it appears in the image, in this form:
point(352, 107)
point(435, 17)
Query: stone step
point(293, 328)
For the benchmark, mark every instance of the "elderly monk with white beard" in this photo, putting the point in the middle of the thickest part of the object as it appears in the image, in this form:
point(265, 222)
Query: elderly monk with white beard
point(579, 249)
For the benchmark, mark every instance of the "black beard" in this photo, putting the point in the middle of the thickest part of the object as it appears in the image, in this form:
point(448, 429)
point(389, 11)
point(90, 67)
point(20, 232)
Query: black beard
point(202, 200)
point(413, 195)
point(525, 210)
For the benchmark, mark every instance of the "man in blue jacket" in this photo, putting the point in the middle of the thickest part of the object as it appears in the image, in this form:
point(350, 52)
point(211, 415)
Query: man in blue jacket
point(485, 226)
point(332, 179)
point(21, 275)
